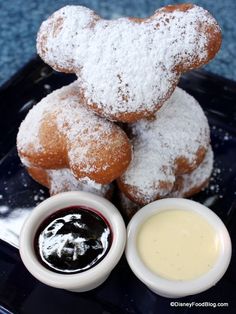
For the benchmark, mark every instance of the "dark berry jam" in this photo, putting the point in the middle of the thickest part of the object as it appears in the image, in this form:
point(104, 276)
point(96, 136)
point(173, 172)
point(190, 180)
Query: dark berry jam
point(72, 240)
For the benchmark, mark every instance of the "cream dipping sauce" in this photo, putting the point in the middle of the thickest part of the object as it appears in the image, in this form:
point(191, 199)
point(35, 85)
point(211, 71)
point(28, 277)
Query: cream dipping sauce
point(178, 244)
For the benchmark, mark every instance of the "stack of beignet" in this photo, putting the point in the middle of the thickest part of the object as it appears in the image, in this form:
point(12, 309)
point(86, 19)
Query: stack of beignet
point(127, 72)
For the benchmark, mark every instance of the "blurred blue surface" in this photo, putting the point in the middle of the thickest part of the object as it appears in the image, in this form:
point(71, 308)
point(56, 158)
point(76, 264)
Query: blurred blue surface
point(21, 19)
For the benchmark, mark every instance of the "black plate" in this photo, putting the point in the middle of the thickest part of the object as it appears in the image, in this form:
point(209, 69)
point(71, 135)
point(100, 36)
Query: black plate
point(122, 292)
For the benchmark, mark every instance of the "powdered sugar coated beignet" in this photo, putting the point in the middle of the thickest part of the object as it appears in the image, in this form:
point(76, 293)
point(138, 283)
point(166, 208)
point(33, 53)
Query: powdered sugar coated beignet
point(173, 144)
point(185, 186)
point(62, 180)
point(128, 67)
point(59, 132)
point(192, 183)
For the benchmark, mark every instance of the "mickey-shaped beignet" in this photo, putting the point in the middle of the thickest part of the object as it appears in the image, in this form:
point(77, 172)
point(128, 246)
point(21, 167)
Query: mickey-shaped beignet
point(128, 67)
point(192, 183)
point(62, 180)
point(185, 186)
point(59, 132)
point(173, 144)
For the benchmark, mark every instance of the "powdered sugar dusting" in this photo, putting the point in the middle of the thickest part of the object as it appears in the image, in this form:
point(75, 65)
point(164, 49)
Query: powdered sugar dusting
point(81, 127)
point(179, 130)
point(123, 65)
point(63, 180)
point(197, 177)
point(78, 125)
point(28, 135)
point(58, 47)
point(191, 181)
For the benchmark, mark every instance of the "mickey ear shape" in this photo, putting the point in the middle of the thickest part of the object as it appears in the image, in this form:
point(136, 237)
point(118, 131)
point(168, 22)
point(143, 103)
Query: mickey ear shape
point(173, 144)
point(83, 142)
point(61, 38)
point(128, 67)
point(201, 34)
point(57, 36)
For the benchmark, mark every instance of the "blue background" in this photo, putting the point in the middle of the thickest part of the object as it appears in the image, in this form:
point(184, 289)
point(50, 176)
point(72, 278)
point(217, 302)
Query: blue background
point(20, 20)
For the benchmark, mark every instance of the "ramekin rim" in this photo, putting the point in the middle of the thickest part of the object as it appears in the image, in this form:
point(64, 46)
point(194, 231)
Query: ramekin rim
point(70, 281)
point(172, 287)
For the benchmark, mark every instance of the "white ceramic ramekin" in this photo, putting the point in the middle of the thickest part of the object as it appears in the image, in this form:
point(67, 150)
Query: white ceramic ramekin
point(172, 288)
point(88, 279)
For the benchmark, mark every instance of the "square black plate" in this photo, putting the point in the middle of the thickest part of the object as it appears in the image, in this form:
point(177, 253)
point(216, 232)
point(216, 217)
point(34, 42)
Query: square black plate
point(122, 292)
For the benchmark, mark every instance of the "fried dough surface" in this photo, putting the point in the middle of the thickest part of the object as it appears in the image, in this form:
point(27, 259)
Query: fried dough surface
point(59, 132)
point(171, 145)
point(128, 67)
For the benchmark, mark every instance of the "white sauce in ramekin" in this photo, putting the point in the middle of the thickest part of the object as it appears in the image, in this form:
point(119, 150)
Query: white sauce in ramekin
point(178, 244)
